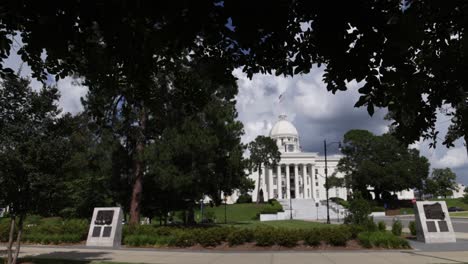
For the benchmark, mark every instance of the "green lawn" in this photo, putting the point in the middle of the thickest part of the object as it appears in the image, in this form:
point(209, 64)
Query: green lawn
point(296, 224)
point(459, 214)
point(454, 202)
point(234, 212)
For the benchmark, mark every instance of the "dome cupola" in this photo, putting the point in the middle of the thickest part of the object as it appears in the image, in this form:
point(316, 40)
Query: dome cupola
point(286, 136)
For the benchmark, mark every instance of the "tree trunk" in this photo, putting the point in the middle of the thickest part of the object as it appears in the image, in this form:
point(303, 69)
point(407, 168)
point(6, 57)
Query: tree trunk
point(10, 240)
point(138, 171)
point(18, 239)
point(258, 181)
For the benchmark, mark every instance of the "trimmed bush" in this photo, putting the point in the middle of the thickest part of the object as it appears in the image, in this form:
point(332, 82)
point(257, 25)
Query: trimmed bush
point(336, 236)
point(356, 230)
point(287, 237)
point(382, 226)
point(397, 228)
point(265, 236)
point(312, 237)
point(382, 239)
point(182, 239)
point(240, 236)
point(412, 227)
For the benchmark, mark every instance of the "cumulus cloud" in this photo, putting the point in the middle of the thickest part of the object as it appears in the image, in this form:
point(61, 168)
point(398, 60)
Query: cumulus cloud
point(316, 113)
point(453, 158)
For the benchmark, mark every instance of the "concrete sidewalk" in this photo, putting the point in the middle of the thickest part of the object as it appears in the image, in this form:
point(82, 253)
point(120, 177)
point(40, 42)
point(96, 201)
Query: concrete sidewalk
point(267, 257)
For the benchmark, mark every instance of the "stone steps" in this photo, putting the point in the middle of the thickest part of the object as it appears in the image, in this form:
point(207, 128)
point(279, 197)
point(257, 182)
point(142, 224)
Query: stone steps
point(306, 209)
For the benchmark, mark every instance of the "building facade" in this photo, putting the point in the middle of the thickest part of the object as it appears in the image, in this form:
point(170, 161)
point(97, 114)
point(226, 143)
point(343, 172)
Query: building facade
point(298, 175)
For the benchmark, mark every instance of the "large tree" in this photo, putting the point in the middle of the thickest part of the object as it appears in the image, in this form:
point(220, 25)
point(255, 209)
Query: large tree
point(263, 153)
point(380, 162)
point(441, 183)
point(200, 156)
point(32, 151)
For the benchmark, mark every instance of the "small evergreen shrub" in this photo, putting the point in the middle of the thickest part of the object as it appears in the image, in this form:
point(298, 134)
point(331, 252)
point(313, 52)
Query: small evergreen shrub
point(244, 198)
point(312, 237)
point(240, 236)
point(182, 239)
point(287, 237)
point(397, 228)
point(382, 239)
point(265, 236)
point(382, 226)
point(337, 236)
point(412, 227)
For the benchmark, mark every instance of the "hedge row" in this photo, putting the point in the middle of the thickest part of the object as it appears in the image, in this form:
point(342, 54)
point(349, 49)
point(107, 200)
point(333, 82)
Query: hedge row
point(49, 230)
point(261, 236)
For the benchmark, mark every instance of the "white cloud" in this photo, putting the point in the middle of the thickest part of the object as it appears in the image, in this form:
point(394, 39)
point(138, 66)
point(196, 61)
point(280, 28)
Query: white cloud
point(453, 158)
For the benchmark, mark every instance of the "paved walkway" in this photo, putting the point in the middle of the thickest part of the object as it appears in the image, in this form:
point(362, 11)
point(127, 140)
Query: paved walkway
point(203, 257)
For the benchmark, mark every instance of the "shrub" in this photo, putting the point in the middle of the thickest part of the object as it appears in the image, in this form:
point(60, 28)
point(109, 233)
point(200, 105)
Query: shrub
point(244, 198)
point(336, 236)
point(312, 237)
point(182, 239)
point(264, 236)
point(359, 210)
point(287, 237)
point(397, 227)
point(412, 227)
point(382, 226)
point(381, 239)
point(240, 236)
point(355, 230)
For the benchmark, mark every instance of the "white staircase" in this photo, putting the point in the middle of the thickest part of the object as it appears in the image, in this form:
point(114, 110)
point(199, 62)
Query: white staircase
point(306, 209)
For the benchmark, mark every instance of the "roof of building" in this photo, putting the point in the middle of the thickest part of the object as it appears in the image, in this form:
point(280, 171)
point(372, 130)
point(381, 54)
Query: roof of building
point(283, 127)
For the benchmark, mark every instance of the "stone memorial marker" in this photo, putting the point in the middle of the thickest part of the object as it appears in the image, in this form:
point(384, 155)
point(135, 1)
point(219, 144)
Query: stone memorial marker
point(106, 227)
point(433, 224)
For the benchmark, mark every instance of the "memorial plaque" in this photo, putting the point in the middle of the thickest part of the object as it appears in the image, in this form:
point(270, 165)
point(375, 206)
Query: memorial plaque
point(434, 211)
point(106, 227)
point(104, 217)
point(433, 223)
point(431, 227)
point(443, 227)
point(107, 231)
point(96, 231)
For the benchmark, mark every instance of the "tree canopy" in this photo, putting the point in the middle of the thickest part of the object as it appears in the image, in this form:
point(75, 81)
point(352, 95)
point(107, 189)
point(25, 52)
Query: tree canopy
point(380, 162)
point(441, 183)
point(408, 56)
point(263, 152)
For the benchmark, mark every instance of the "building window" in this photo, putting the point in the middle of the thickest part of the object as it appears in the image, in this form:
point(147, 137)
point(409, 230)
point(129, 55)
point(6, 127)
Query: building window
point(316, 183)
point(337, 193)
point(317, 194)
point(316, 171)
point(307, 169)
point(275, 181)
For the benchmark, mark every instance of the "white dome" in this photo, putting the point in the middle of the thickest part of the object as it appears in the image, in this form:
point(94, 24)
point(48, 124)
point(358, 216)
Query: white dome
point(283, 127)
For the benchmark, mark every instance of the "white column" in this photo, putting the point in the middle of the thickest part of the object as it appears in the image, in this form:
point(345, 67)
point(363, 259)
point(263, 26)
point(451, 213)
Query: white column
point(296, 182)
point(305, 181)
point(288, 188)
point(270, 183)
point(279, 178)
point(312, 182)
